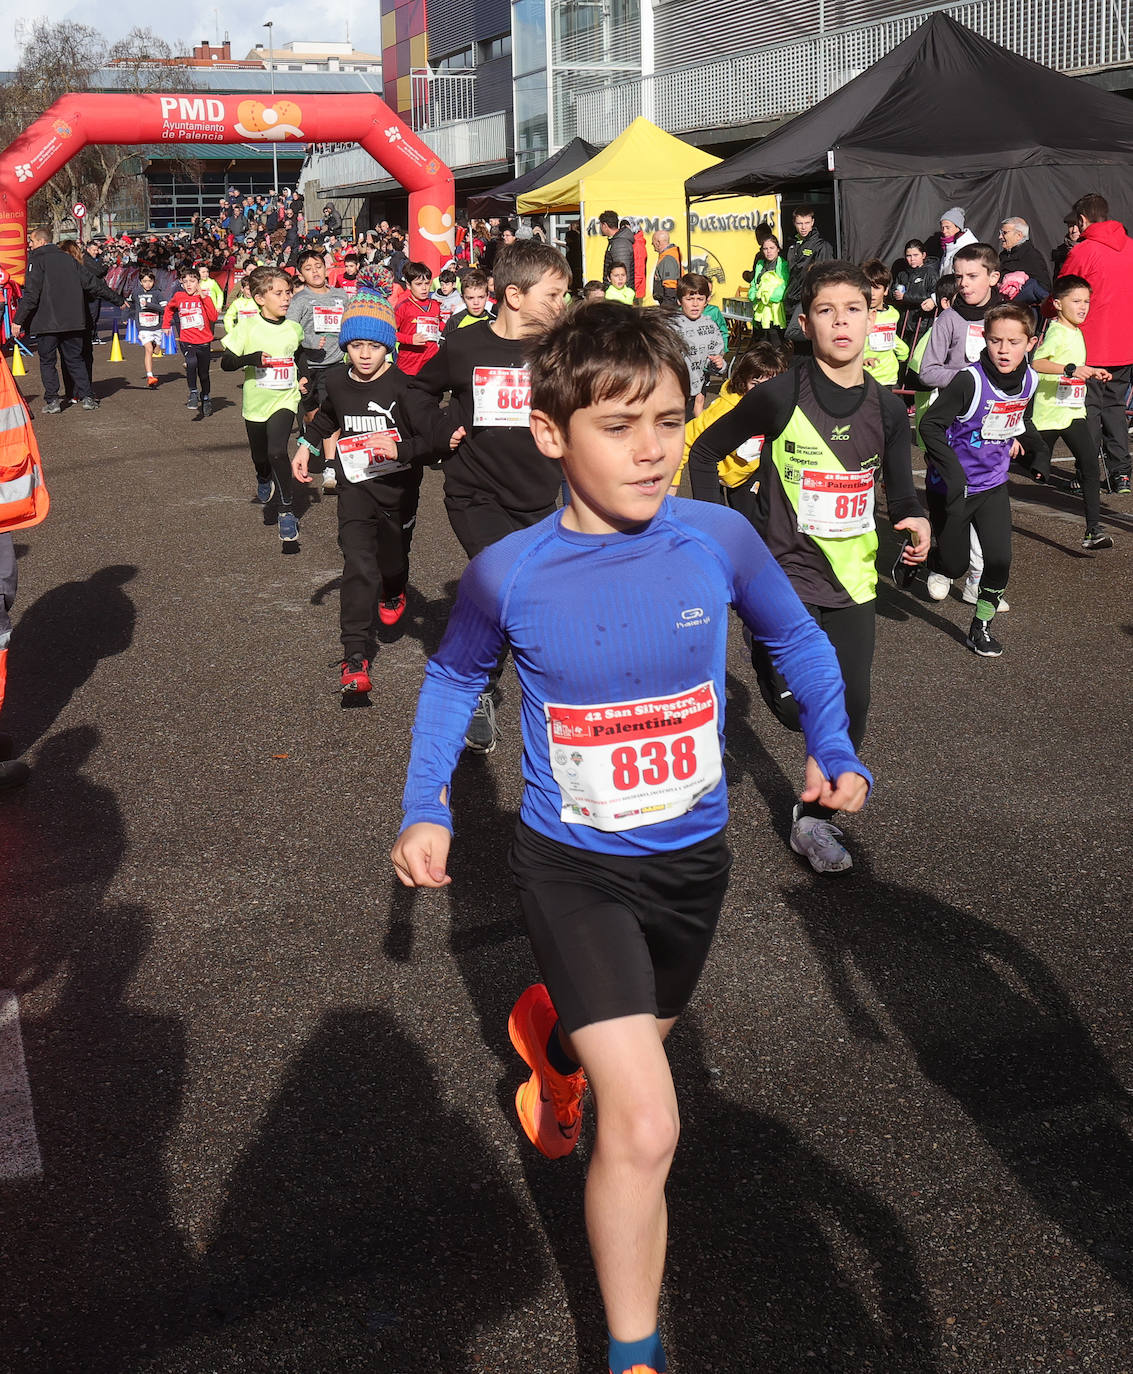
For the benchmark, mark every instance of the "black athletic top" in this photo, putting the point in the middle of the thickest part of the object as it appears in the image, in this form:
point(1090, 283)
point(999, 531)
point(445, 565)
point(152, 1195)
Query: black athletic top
point(489, 381)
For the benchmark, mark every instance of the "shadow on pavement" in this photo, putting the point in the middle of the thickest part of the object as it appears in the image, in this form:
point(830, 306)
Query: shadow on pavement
point(360, 1210)
point(93, 1265)
point(990, 1025)
point(57, 643)
point(812, 1271)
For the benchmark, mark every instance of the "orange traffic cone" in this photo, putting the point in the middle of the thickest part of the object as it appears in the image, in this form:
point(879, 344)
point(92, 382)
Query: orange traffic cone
point(18, 368)
point(116, 350)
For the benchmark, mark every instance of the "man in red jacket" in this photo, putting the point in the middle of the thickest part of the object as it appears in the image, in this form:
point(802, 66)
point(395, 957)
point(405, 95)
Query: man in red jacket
point(1104, 256)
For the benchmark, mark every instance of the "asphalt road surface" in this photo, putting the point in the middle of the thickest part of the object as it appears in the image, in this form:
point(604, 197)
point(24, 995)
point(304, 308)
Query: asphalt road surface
point(272, 1092)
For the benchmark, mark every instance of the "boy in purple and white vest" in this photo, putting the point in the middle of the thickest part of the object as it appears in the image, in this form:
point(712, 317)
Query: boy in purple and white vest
point(970, 434)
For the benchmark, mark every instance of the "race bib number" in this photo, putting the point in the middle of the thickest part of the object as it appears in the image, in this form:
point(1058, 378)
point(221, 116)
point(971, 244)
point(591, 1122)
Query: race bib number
point(429, 328)
point(328, 319)
point(277, 374)
point(749, 451)
point(883, 338)
point(360, 459)
point(627, 764)
point(974, 341)
point(148, 319)
point(835, 505)
point(1070, 392)
point(501, 397)
point(1004, 419)
point(191, 316)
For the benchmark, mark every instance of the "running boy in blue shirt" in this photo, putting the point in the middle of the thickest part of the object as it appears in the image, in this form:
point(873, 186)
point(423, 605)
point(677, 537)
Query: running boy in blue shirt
point(616, 609)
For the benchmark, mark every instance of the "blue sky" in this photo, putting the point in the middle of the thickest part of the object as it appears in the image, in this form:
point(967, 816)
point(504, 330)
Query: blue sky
point(296, 20)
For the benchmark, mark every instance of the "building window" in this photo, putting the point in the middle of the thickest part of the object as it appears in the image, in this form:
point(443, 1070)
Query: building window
point(495, 47)
point(456, 61)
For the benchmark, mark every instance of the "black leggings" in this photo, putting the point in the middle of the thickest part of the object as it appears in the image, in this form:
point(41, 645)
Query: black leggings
point(990, 513)
point(851, 631)
point(198, 358)
point(268, 441)
point(1084, 446)
point(375, 530)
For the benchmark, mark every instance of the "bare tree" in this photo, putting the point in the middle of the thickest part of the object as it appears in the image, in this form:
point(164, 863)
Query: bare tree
point(59, 58)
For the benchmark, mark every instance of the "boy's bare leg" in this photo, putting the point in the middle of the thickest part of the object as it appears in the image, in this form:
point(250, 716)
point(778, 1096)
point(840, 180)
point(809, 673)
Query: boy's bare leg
point(638, 1125)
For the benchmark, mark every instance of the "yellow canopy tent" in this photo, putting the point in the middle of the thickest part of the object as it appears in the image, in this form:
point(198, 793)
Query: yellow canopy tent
point(641, 175)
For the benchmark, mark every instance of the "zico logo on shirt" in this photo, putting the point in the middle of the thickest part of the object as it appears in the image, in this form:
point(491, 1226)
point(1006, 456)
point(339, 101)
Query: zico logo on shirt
point(840, 434)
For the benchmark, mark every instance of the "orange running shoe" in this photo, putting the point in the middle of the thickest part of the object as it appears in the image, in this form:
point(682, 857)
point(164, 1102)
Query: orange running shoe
point(390, 612)
point(549, 1105)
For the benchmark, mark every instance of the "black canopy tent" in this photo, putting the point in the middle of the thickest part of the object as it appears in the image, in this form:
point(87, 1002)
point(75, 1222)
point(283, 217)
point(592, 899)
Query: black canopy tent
point(947, 118)
point(500, 200)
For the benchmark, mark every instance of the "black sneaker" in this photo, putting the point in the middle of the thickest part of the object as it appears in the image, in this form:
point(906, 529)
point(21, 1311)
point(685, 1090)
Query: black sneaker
point(89, 403)
point(13, 773)
point(481, 735)
point(980, 639)
point(206, 406)
point(1094, 539)
point(1122, 486)
point(193, 402)
point(53, 407)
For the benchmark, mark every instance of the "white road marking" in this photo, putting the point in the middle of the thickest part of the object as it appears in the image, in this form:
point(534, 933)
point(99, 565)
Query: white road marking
point(19, 1145)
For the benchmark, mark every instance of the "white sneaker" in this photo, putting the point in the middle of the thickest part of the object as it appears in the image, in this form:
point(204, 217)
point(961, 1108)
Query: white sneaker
point(330, 481)
point(971, 596)
point(938, 586)
point(820, 843)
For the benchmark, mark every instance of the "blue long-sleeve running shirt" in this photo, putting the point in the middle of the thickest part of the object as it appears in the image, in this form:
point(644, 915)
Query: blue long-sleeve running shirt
point(620, 644)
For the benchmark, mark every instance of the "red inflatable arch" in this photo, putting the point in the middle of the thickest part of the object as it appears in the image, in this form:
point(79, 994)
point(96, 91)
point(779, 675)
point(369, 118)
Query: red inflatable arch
point(76, 120)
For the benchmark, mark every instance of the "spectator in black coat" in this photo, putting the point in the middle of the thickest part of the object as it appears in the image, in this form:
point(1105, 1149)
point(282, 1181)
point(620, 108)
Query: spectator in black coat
point(1019, 254)
point(95, 291)
point(53, 308)
point(1073, 234)
point(619, 249)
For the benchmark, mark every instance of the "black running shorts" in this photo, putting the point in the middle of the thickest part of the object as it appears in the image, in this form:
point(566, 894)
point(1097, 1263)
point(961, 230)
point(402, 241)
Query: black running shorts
point(619, 936)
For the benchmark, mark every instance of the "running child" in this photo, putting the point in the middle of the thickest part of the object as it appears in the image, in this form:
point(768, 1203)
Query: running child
point(956, 341)
point(970, 433)
point(447, 297)
point(497, 480)
point(211, 285)
point(378, 465)
point(318, 308)
point(196, 315)
point(703, 342)
point(829, 433)
point(619, 289)
point(474, 291)
point(620, 854)
point(739, 471)
point(240, 307)
point(148, 308)
point(885, 350)
point(1060, 401)
point(418, 320)
point(265, 346)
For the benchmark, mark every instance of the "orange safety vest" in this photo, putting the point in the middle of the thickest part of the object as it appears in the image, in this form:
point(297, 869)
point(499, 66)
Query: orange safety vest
point(23, 493)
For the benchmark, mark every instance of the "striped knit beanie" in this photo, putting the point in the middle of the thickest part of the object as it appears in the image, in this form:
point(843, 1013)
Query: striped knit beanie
point(368, 316)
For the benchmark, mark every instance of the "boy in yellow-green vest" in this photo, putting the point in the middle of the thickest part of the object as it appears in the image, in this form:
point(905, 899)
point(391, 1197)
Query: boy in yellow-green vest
point(885, 350)
point(1060, 401)
point(829, 432)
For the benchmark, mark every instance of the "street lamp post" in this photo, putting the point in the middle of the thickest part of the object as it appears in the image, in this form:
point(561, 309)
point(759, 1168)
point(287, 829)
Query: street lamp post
point(271, 77)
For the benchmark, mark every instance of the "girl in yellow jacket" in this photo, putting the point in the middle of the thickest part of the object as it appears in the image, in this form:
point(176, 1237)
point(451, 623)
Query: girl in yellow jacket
point(739, 471)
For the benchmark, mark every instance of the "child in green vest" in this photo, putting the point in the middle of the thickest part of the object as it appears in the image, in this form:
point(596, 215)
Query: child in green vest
point(264, 345)
point(1060, 401)
point(885, 350)
point(829, 432)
